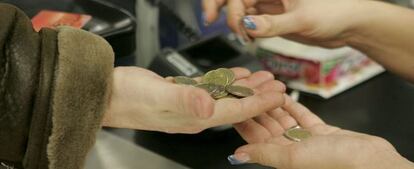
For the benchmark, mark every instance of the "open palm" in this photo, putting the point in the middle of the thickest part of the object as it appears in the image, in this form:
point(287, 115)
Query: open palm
point(329, 147)
point(144, 100)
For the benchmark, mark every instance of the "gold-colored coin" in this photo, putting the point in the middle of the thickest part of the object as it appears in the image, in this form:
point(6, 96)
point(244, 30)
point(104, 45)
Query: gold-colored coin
point(230, 76)
point(215, 77)
point(220, 92)
point(297, 134)
point(184, 80)
point(240, 91)
point(229, 96)
point(210, 88)
point(217, 84)
point(220, 95)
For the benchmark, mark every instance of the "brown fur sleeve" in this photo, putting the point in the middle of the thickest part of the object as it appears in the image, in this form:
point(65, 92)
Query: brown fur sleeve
point(54, 86)
point(83, 75)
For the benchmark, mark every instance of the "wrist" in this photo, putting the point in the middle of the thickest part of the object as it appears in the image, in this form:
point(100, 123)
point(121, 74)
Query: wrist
point(369, 24)
point(109, 119)
point(363, 16)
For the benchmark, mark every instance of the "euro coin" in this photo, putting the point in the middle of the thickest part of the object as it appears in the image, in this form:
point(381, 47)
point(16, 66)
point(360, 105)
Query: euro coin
point(184, 80)
point(219, 93)
point(215, 77)
point(210, 88)
point(229, 96)
point(230, 76)
point(240, 91)
point(297, 134)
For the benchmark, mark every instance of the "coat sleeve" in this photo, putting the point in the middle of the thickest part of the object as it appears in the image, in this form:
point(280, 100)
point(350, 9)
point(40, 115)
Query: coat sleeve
point(54, 86)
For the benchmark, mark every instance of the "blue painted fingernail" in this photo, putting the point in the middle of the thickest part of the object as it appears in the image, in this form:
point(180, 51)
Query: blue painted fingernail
point(234, 161)
point(249, 23)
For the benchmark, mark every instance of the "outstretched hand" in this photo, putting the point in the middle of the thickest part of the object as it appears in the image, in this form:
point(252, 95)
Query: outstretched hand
point(329, 147)
point(143, 100)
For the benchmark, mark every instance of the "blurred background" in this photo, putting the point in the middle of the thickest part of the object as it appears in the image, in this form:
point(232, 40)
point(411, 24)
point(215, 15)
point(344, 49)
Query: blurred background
point(342, 86)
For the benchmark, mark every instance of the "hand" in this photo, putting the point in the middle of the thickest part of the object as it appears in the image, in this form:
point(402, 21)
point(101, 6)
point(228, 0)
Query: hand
point(319, 22)
point(143, 100)
point(328, 148)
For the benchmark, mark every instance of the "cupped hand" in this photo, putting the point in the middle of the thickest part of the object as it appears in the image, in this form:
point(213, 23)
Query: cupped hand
point(143, 100)
point(318, 22)
point(329, 147)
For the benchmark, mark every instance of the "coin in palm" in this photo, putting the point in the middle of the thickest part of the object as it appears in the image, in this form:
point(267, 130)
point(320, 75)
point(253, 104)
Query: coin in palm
point(239, 91)
point(297, 134)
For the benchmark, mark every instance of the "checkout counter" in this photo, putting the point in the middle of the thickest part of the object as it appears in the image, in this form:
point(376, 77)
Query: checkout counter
point(382, 106)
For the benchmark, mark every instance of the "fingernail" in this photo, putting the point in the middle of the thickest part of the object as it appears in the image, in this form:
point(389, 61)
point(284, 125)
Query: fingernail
point(240, 158)
point(204, 19)
point(248, 22)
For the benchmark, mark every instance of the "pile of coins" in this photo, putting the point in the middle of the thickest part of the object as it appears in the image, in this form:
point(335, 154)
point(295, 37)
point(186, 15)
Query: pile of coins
point(218, 83)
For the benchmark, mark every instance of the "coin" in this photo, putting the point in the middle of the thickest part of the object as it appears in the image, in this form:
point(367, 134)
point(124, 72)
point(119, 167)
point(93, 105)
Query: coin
point(230, 76)
point(215, 77)
point(240, 91)
point(184, 80)
point(220, 92)
point(229, 96)
point(220, 95)
point(218, 84)
point(297, 134)
point(210, 88)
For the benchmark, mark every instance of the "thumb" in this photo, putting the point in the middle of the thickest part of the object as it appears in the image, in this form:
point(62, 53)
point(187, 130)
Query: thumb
point(263, 153)
point(270, 25)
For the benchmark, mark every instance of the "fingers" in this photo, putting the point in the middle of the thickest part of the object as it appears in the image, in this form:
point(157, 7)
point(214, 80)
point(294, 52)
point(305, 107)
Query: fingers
point(270, 8)
point(235, 12)
point(241, 73)
point(270, 25)
point(272, 125)
point(252, 132)
point(212, 10)
point(283, 118)
point(264, 153)
point(302, 114)
point(258, 78)
point(230, 111)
